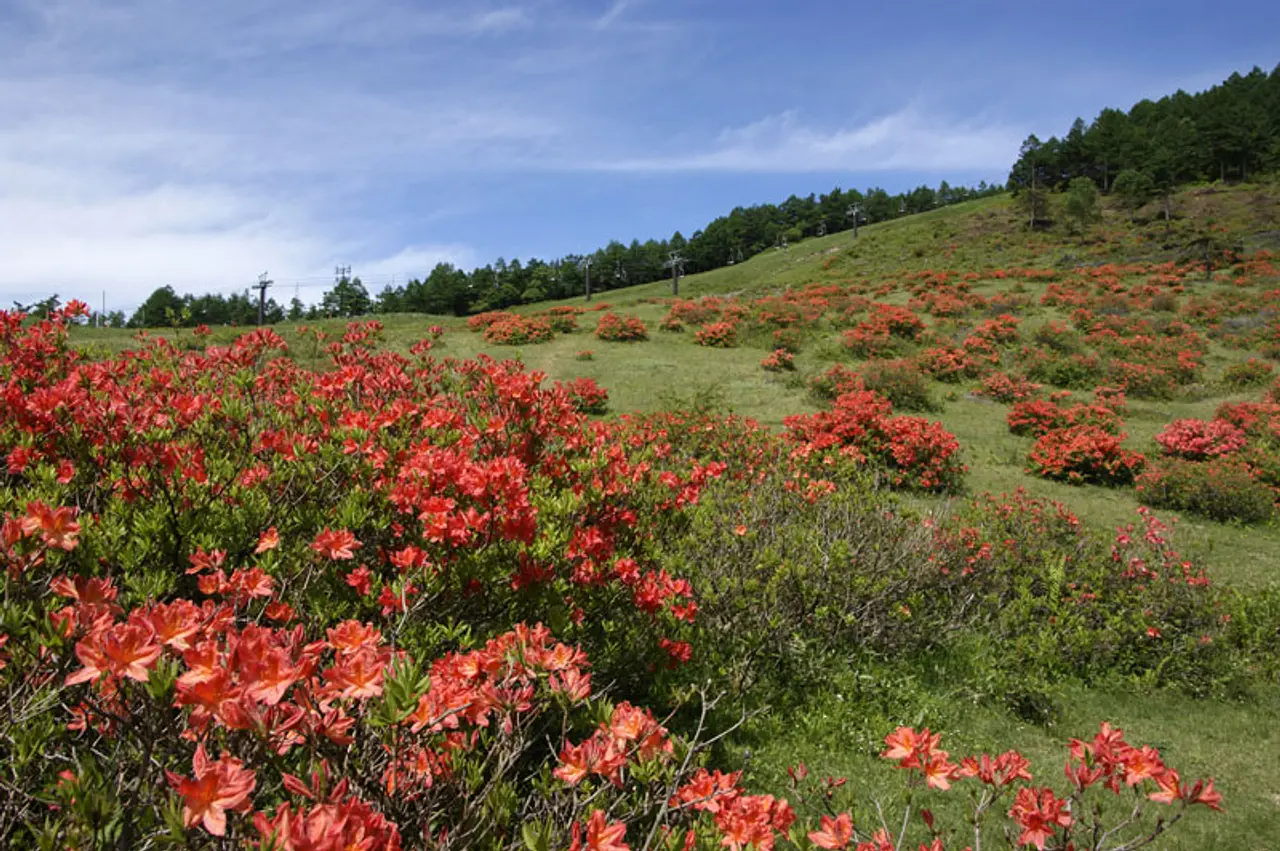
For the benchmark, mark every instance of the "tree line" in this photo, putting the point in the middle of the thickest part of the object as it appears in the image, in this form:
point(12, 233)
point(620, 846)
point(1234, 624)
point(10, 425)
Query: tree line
point(729, 239)
point(1228, 132)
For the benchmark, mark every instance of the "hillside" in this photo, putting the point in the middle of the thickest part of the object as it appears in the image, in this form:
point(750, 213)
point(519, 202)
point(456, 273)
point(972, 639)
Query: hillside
point(935, 307)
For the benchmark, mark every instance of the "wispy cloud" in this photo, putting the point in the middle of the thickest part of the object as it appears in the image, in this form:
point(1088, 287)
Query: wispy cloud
point(613, 13)
point(908, 140)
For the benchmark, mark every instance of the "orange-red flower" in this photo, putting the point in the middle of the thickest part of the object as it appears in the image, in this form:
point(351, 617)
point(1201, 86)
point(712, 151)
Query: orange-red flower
point(835, 833)
point(218, 788)
point(336, 545)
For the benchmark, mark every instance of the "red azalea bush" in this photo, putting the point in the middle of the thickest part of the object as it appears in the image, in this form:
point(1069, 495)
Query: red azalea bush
point(836, 381)
point(587, 396)
point(781, 360)
point(788, 339)
point(1142, 381)
point(519, 331)
point(562, 319)
point(947, 363)
point(691, 312)
point(1005, 388)
point(869, 340)
point(1200, 439)
point(481, 321)
point(621, 329)
point(914, 452)
point(1084, 453)
point(1037, 417)
point(721, 335)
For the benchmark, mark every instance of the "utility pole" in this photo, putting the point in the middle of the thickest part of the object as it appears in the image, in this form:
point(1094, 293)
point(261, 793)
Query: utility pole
point(263, 284)
point(676, 264)
point(102, 314)
point(586, 266)
point(854, 212)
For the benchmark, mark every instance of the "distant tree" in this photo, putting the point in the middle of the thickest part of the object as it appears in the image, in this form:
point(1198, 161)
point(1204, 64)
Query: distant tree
point(157, 309)
point(1135, 188)
point(347, 298)
point(390, 300)
point(1081, 203)
point(1171, 141)
point(39, 309)
point(297, 310)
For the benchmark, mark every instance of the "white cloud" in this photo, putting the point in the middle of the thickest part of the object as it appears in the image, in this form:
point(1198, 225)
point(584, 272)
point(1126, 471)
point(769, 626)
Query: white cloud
point(907, 140)
point(417, 261)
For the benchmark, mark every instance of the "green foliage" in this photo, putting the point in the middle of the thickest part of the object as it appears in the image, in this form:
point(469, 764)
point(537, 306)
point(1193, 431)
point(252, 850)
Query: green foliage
point(1224, 490)
point(902, 383)
point(1135, 188)
point(1080, 203)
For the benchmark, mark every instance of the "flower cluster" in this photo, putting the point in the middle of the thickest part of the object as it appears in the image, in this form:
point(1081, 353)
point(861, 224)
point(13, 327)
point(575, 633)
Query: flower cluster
point(620, 329)
point(1200, 439)
point(519, 331)
point(1085, 454)
point(721, 335)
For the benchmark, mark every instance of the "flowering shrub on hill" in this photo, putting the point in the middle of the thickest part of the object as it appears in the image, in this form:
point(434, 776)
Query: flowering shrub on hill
point(587, 396)
point(860, 427)
point(563, 319)
point(780, 361)
point(1005, 388)
point(620, 329)
point(519, 331)
point(481, 321)
point(1084, 453)
point(1200, 439)
point(722, 335)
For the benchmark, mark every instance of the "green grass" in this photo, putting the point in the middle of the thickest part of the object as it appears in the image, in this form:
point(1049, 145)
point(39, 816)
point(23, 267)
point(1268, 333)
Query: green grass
point(1235, 742)
point(1239, 742)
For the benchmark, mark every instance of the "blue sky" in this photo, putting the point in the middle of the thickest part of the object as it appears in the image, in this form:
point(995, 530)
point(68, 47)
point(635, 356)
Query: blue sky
point(151, 142)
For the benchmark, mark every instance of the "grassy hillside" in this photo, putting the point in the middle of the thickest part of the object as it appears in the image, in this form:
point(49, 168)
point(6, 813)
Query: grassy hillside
point(985, 244)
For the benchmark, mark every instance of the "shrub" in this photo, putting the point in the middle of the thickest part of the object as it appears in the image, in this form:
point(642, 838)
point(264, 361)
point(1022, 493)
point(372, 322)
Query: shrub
point(720, 335)
point(1073, 371)
point(587, 396)
point(1254, 418)
point(1197, 440)
point(563, 319)
point(481, 321)
point(1251, 373)
point(1035, 417)
point(901, 383)
point(869, 340)
point(621, 329)
point(946, 363)
point(1223, 489)
point(1142, 381)
point(1005, 388)
point(585, 354)
point(837, 380)
point(788, 339)
point(519, 331)
point(1084, 454)
point(690, 312)
point(914, 453)
point(779, 361)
